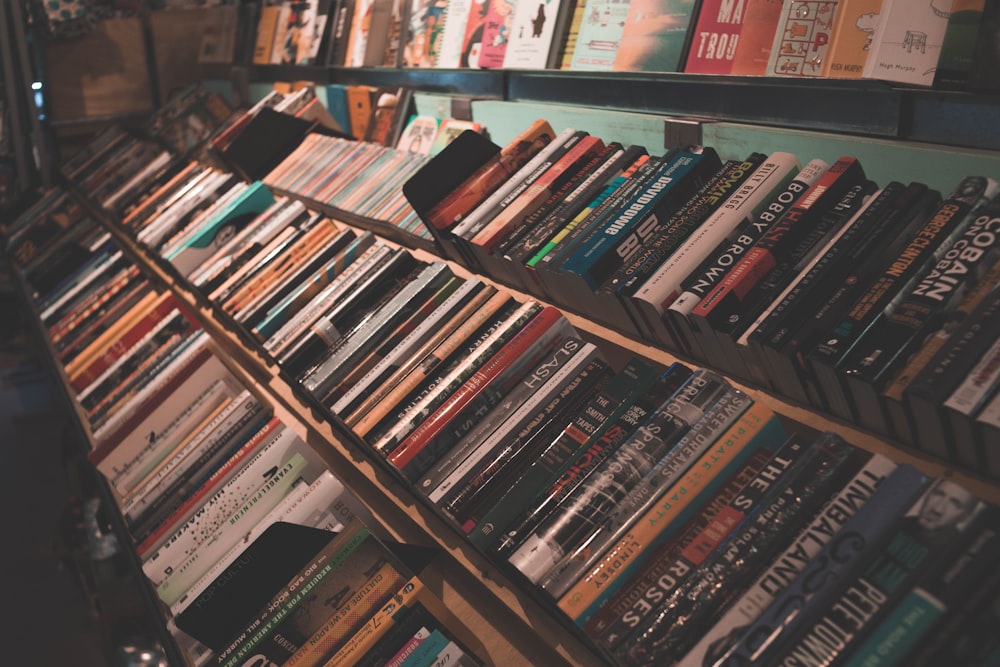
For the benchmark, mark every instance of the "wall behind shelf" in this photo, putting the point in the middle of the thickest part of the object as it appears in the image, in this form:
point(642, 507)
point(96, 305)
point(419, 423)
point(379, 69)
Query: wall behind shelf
point(884, 160)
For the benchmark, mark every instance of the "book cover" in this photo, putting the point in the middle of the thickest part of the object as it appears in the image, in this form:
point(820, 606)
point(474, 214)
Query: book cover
point(958, 46)
point(907, 44)
point(716, 36)
point(754, 47)
point(801, 38)
point(850, 43)
point(534, 35)
point(599, 36)
point(656, 36)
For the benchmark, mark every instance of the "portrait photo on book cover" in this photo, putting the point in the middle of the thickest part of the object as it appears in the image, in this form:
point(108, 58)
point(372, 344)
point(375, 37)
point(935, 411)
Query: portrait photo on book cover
point(942, 512)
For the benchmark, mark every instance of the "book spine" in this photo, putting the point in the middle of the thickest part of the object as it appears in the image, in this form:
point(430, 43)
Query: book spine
point(494, 342)
point(702, 205)
point(79, 380)
point(844, 554)
point(222, 426)
point(793, 560)
point(278, 342)
point(590, 504)
point(166, 564)
point(534, 195)
point(911, 549)
point(756, 428)
point(369, 597)
point(701, 434)
point(395, 350)
point(651, 297)
point(564, 202)
point(930, 241)
point(322, 378)
point(579, 446)
point(596, 448)
point(520, 402)
point(219, 477)
point(490, 316)
point(179, 565)
point(504, 195)
point(597, 187)
point(269, 447)
point(496, 468)
point(656, 565)
point(530, 179)
point(606, 252)
point(939, 590)
point(935, 292)
point(770, 249)
point(454, 207)
point(767, 530)
point(424, 444)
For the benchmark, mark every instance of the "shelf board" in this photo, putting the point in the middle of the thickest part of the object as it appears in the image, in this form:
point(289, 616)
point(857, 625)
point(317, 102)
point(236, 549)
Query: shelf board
point(844, 106)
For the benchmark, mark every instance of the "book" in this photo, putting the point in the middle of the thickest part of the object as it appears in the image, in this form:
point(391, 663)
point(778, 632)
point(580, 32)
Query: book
point(347, 618)
point(715, 37)
point(760, 23)
point(935, 236)
point(654, 296)
point(426, 442)
point(906, 45)
point(756, 428)
point(716, 264)
point(802, 38)
point(536, 28)
point(578, 448)
point(622, 234)
point(293, 615)
point(575, 445)
point(804, 547)
point(851, 38)
point(599, 36)
point(958, 45)
point(926, 535)
point(945, 583)
point(915, 314)
point(713, 423)
point(508, 454)
point(453, 208)
point(785, 509)
point(266, 565)
point(816, 584)
point(557, 367)
point(656, 36)
point(572, 523)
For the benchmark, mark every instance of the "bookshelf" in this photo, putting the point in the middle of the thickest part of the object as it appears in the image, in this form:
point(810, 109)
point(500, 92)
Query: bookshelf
point(518, 625)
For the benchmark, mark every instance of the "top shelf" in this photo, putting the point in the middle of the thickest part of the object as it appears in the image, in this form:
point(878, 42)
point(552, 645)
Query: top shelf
point(856, 107)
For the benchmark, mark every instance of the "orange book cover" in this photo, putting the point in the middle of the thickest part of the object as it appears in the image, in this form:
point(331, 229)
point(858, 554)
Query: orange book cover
point(760, 21)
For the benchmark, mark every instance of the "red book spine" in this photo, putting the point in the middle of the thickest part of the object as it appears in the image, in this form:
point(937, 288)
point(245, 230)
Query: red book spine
point(475, 385)
point(450, 210)
point(761, 258)
point(536, 193)
point(129, 338)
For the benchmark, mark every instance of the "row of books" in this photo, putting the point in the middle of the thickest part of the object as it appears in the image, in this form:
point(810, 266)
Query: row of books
point(944, 43)
point(875, 304)
point(255, 549)
point(663, 511)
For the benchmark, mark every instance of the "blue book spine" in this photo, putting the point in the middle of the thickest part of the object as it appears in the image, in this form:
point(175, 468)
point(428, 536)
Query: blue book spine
point(856, 543)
